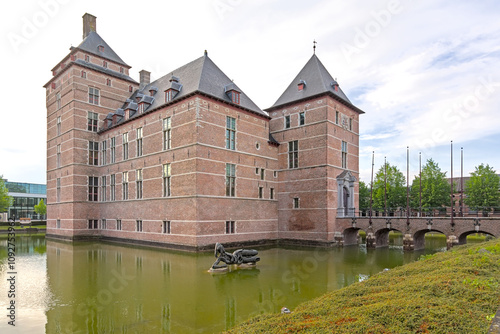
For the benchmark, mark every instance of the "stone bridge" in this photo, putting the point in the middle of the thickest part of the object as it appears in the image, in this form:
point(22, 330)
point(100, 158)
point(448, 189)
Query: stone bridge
point(377, 229)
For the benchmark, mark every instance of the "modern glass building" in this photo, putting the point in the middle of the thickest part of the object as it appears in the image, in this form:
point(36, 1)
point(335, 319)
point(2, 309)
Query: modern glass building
point(26, 196)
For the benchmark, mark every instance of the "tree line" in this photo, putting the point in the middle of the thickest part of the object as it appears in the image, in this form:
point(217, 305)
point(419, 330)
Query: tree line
point(430, 190)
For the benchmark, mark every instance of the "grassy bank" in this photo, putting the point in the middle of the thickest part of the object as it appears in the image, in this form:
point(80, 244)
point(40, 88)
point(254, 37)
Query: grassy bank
point(457, 291)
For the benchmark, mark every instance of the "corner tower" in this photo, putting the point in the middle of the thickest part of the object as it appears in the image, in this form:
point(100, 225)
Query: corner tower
point(88, 83)
point(317, 127)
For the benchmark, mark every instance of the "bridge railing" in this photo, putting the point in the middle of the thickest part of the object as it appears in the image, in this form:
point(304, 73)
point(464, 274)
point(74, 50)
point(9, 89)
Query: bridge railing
point(429, 212)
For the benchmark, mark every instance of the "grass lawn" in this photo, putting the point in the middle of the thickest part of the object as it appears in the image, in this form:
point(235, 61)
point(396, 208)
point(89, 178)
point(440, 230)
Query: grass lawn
point(4, 228)
point(457, 291)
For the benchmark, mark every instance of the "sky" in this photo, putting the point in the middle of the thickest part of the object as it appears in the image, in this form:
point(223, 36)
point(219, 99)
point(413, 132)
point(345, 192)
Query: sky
point(425, 72)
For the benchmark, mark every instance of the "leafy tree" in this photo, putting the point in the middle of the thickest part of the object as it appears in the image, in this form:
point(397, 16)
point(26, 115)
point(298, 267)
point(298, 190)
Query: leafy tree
point(482, 189)
point(5, 199)
point(364, 196)
point(41, 208)
point(396, 188)
point(435, 188)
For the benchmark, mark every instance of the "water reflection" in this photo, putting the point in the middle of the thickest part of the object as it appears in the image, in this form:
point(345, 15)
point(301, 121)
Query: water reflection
point(100, 288)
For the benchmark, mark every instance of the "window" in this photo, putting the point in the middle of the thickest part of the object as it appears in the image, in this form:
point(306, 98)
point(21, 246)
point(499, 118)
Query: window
point(100, 48)
point(92, 224)
point(169, 95)
point(271, 193)
point(93, 153)
point(58, 190)
point(58, 223)
point(167, 133)
point(138, 184)
point(230, 133)
point(104, 64)
point(92, 119)
point(104, 148)
point(235, 97)
point(125, 186)
point(113, 150)
point(261, 192)
point(230, 179)
point(139, 142)
point(344, 154)
point(84, 74)
point(125, 146)
point(262, 173)
point(166, 227)
point(108, 82)
point(103, 188)
point(118, 224)
point(230, 227)
point(140, 110)
point(93, 96)
point(293, 154)
point(138, 225)
point(296, 203)
point(93, 188)
point(58, 125)
point(58, 156)
point(130, 89)
point(350, 124)
point(257, 171)
point(275, 173)
point(121, 69)
point(87, 58)
point(113, 187)
point(336, 117)
point(58, 100)
point(287, 122)
point(166, 180)
point(104, 224)
point(302, 118)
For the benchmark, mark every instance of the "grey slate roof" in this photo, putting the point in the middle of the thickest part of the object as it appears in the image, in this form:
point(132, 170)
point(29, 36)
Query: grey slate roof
point(104, 70)
point(91, 43)
point(317, 81)
point(200, 75)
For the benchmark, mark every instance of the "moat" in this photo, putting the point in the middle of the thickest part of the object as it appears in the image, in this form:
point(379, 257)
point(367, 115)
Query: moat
point(102, 288)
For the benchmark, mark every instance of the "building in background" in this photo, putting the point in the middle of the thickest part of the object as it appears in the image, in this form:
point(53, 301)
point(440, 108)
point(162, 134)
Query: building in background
point(189, 160)
point(26, 196)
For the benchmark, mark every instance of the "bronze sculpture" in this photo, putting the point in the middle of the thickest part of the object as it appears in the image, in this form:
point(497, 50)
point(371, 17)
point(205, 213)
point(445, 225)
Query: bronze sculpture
point(240, 256)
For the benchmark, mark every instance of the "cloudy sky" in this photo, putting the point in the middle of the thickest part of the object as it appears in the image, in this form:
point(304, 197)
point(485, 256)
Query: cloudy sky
point(425, 72)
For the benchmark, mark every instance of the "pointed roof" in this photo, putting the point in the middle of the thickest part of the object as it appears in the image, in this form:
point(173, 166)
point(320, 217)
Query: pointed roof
point(91, 45)
point(203, 76)
point(317, 81)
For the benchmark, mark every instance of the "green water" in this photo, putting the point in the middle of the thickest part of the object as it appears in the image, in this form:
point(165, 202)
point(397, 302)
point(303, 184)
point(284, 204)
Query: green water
point(109, 288)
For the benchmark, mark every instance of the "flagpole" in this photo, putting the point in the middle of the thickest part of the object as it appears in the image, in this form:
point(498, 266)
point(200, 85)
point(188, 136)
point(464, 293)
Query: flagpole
point(461, 182)
point(452, 222)
point(385, 186)
point(408, 185)
point(420, 190)
point(371, 187)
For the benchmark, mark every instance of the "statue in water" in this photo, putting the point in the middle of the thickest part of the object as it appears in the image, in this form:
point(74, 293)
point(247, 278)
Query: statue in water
point(238, 257)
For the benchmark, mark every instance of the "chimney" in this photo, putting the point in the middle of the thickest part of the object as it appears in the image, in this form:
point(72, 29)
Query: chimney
point(89, 24)
point(144, 78)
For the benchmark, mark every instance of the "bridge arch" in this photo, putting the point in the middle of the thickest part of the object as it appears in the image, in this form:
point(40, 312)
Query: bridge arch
point(351, 236)
point(419, 238)
point(382, 236)
point(462, 238)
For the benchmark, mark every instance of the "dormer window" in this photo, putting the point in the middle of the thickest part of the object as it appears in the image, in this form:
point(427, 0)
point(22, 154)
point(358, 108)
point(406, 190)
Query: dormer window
point(152, 90)
point(233, 93)
point(170, 94)
point(335, 86)
point(100, 48)
point(141, 108)
point(54, 72)
point(301, 85)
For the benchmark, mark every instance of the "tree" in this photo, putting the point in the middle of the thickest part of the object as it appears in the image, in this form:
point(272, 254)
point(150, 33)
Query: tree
point(5, 199)
point(41, 208)
point(435, 188)
point(394, 187)
point(482, 189)
point(364, 196)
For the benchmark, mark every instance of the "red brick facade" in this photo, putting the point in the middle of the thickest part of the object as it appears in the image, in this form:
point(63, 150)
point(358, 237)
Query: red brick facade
point(195, 204)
